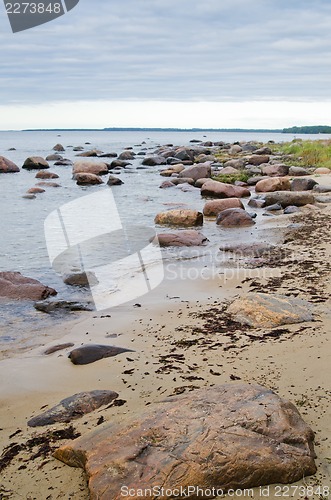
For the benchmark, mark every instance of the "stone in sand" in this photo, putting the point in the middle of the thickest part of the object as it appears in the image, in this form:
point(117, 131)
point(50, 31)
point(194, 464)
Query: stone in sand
point(262, 310)
point(73, 407)
point(59, 347)
point(15, 286)
point(303, 184)
point(232, 436)
point(249, 250)
point(90, 353)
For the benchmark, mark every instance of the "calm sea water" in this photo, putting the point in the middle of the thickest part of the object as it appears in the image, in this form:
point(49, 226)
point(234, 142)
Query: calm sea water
point(22, 243)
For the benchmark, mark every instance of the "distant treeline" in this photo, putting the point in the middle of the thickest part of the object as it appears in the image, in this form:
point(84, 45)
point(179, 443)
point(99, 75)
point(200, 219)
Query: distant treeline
point(312, 129)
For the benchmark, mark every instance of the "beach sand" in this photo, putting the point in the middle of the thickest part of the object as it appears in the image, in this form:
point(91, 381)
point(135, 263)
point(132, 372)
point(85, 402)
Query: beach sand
point(186, 318)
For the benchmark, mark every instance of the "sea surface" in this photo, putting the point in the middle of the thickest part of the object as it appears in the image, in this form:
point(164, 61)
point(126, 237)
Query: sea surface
point(23, 245)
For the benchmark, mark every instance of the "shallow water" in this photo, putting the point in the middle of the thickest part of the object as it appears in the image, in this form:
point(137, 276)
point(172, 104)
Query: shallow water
point(23, 246)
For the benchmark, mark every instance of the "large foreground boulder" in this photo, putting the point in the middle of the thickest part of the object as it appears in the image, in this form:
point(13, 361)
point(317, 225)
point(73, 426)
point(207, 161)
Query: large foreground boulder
point(179, 218)
point(263, 310)
point(15, 286)
point(232, 436)
point(217, 189)
point(7, 166)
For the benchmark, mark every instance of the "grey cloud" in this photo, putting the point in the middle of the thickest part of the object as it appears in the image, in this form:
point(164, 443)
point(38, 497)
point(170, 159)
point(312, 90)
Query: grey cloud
point(167, 49)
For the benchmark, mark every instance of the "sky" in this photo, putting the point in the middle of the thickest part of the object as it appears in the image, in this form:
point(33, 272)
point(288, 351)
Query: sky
point(170, 63)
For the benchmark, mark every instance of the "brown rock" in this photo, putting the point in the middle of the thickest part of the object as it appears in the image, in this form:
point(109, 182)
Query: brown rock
point(234, 217)
point(263, 310)
point(166, 184)
point(214, 207)
point(303, 184)
point(258, 159)
point(222, 190)
point(273, 184)
point(229, 171)
point(81, 279)
point(277, 170)
point(43, 174)
point(82, 179)
point(90, 167)
point(91, 153)
point(195, 172)
point(127, 155)
point(73, 407)
point(233, 436)
point(7, 166)
point(114, 181)
point(286, 198)
point(56, 348)
point(58, 147)
point(35, 190)
point(322, 170)
point(15, 286)
point(200, 182)
point(35, 162)
point(48, 184)
point(54, 157)
point(181, 239)
point(180, 218)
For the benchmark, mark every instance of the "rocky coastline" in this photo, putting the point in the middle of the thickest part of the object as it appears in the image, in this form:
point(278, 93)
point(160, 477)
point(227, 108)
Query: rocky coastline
point(194, 351)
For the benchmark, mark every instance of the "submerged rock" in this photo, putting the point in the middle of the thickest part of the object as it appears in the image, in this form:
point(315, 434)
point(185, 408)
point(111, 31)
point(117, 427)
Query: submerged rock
point(73, 407)
point(232, 436)
point(93, 352)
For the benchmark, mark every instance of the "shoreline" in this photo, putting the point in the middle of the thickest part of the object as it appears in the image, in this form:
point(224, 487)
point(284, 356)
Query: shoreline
point(185, 320)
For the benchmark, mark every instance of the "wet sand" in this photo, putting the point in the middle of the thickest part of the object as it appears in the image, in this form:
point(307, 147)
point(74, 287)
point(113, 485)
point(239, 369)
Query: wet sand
point(186, 319)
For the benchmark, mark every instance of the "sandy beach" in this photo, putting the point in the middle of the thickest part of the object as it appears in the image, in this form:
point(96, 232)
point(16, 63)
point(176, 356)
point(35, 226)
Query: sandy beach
point(181, 339)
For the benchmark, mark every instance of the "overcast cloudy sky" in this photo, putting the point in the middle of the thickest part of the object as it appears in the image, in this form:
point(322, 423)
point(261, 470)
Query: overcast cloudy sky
point(170, 63)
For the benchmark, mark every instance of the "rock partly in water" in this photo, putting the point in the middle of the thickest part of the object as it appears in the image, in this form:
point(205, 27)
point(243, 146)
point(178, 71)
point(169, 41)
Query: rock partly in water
point(227, 437)
point(263, 310)
point(61, 306)
point(15, 286)
point(90, 167)
point(214, 207)
point(222, 190)
point(184, 238)
point(58, 147)
point(73, 407)
point(234, 217)
point(7, 166)
point(86, 179)
point(195, 172)
point(35, 163)
point(256, 203)
point(81, 279)
point(93, 352)
point(114, 181)
point(286, 198)
point(179, 218)
point(35, 190)
point(153, 161)
point(44, 174)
